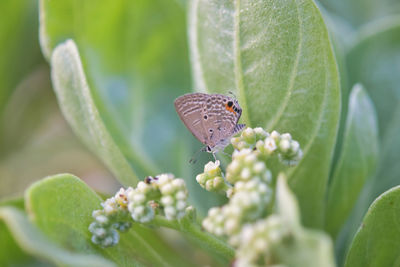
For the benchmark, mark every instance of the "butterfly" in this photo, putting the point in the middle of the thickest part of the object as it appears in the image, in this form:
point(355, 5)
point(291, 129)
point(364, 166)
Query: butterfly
point(211, 118)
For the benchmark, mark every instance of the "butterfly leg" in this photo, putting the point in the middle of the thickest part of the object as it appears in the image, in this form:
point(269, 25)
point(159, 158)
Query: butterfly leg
point(193, 160)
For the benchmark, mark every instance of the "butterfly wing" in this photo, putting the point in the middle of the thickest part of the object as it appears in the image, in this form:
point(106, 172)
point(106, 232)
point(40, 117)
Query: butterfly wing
point(224, 114)
point(190, 109)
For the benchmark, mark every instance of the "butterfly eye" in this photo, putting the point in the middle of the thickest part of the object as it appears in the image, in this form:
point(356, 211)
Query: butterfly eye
point(208, 148)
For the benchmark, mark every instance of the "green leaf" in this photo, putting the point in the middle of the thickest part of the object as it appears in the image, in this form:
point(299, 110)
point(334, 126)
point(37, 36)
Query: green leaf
point(373, 61)
point(10, 252)
point(135, 62)
point(277, 57)
point(377, 55)
point(61, 206)
point(357, 160)
point(19, 48)
point(32, 241)
point(135, 65)
point(377, 241)
point(81, 112)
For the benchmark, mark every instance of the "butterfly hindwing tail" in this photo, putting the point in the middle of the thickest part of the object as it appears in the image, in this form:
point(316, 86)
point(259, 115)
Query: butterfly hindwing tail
point(238, 128)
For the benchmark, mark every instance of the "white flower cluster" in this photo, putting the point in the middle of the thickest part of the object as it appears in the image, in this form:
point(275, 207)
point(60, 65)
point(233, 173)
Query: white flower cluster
point(248, 138)
point(258, 240)
point(173, 196)
point(266, 145)
point(141, 203)
point(112, 217)
point(250, 196)
point(212, 179)
point(163, 194)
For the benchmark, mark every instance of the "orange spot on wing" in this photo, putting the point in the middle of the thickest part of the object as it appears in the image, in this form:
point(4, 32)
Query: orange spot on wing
point(230, 109)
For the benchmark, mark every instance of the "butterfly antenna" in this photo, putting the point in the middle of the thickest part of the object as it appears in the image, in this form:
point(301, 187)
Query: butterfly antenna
point(193, 160)
point(231, 93)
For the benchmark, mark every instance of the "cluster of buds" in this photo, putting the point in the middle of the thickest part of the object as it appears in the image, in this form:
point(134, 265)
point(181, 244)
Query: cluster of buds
point(173, 196)
point(212, 179)
point(142, 201)
point(250, 196)
point(114, 216)
point(162, 194)
point(258, 241)
point(266, 145)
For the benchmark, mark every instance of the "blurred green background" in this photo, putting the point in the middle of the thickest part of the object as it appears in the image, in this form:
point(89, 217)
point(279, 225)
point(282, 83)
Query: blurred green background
point(35, 140)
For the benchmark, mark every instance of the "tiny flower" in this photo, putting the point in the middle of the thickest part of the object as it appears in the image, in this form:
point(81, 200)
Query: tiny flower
point(211, 179)
point(270, 145)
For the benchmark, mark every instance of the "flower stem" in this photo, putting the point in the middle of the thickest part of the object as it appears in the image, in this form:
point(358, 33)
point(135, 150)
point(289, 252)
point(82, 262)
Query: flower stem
point(192, 231)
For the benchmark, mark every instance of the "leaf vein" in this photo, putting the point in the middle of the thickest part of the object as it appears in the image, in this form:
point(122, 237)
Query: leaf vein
point(279, 113)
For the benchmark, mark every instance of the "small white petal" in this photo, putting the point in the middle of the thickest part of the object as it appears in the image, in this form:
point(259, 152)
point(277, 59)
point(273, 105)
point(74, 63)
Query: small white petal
point(180, 195)
point(163, 178)
point(181, 205)
point(269, 144)
point(167, 189)
point(102, 219)
point(213, 211)
point(286, 136)
point(231, 225)
point(245, 174)
point(138, 210)
point(170, 212)
point(167, 200)
point(259, 167)
point(178, 183)
point(284, 145)
point(250, 158)
point(138, 198)
point(142, 186)
point(275, 135)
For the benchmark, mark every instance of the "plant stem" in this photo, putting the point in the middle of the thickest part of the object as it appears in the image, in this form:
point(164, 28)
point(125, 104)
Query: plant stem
point(194, 232)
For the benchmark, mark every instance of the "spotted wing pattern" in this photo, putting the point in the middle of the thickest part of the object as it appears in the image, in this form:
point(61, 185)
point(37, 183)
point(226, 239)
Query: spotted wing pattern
point(211, 118)
point(221, 122)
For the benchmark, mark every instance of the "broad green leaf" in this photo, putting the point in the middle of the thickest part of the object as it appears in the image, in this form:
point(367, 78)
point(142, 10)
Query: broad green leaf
point(61, 206)
point(359, 12)
point(357, 159)
point(19, 47)
point(136, 63)
point(277, 57)
point(33, 242)
point(81, 112)
point(10, 252)
point(377, 241)
point(374, 61)
point(308, 247)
